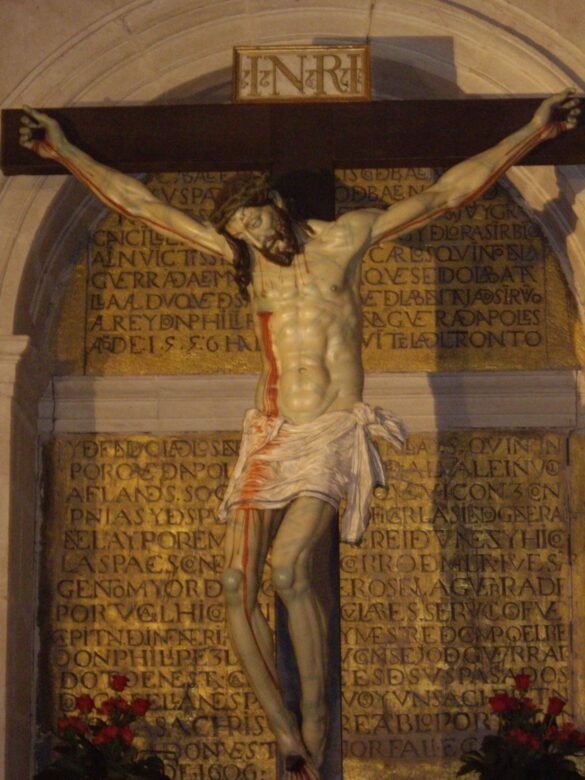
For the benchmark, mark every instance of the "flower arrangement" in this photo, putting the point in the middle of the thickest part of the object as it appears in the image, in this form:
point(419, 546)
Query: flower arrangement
point(529, 743)
point(97, 743)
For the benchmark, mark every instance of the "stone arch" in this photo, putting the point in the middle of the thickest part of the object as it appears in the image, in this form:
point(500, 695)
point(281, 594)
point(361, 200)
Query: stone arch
point(137, 51)
point(150, 58)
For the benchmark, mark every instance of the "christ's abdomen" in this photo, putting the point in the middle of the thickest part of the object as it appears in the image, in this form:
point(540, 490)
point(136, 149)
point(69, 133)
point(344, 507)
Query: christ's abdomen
point(312, 361)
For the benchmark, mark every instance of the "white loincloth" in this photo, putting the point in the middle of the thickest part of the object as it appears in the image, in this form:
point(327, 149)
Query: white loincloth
point(330, 458)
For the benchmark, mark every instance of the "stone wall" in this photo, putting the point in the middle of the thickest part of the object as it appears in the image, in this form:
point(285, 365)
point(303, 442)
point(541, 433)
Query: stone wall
point(129, 50)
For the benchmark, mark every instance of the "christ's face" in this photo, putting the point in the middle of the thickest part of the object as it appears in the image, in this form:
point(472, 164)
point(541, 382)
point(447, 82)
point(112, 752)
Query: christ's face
point(268, 229)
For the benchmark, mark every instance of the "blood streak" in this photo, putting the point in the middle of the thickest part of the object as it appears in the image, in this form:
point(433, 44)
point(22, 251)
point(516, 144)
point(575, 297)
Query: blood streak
point(271, 384)
point(105, 198)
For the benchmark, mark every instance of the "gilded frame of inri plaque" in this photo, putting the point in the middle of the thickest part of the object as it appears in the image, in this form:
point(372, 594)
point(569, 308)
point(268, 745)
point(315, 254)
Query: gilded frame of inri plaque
point(301, 74)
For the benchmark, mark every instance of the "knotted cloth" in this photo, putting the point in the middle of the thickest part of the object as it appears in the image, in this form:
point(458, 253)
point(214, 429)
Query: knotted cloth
point(330, 458)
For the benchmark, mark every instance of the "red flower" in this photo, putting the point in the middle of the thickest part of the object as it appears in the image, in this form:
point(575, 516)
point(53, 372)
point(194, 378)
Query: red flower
point(120, 704)
point(566, 732)
point(579, 738)
point(140, 706)
point(522, 682)
point(500, 703)
point(520, 736)
point(105, 735)
point(528, 704)
point(119, 682)
point(126, 735)
point(72, 722)
point(555, 705)
point(106, 707)
point(84, 703)
point(525, 738)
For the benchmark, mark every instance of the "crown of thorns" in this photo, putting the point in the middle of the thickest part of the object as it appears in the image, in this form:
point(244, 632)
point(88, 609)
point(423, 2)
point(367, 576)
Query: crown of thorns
point(237, 192)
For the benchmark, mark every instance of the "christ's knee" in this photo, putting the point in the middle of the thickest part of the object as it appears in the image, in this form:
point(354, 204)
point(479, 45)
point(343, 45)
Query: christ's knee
point(233, 586)
point(288, 581)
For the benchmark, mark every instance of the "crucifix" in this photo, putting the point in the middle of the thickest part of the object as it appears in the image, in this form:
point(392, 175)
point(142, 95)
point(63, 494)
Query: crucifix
point(310, 426)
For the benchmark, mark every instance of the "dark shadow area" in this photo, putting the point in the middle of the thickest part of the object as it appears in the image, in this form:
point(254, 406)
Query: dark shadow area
point(563, 205)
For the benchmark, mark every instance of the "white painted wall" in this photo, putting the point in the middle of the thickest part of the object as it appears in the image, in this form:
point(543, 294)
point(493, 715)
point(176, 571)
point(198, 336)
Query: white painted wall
point(90, 52)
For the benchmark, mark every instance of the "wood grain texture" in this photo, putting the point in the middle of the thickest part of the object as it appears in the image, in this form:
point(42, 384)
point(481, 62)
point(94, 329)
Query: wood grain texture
point(138, 139)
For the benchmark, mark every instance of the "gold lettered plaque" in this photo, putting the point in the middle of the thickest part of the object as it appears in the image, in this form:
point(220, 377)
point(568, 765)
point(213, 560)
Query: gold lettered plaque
point(131, 567)
point(478, 289)
point(143, 304)
point(462, 581)
point(301, 73)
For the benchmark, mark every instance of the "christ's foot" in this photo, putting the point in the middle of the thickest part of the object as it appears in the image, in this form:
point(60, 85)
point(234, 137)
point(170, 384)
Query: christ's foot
point(298, 767)
point(294, 763)
point(297, 763)
point(315, 729)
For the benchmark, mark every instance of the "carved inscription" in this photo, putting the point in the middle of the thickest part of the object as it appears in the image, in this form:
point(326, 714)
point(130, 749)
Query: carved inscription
point(461, 582)
point(133, 556)
point(301, 73)
point(476, 289)
point(157, 306)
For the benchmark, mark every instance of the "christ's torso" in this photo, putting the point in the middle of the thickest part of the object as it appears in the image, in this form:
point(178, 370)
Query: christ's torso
point(308, 322)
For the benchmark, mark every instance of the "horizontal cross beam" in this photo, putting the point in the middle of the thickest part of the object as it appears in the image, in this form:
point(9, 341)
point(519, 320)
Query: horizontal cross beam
point(284, 137)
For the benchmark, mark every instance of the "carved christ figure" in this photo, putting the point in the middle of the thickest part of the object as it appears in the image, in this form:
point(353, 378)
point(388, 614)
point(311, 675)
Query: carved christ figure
point(308, 441)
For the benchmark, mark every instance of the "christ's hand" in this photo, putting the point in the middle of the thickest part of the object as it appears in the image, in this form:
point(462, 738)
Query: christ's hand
point(560, 111)
point(41, 134)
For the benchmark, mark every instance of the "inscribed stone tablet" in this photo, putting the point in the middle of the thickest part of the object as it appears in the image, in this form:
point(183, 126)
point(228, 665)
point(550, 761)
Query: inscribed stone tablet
point(461, 582)
point(478, 289)
point(131, 566)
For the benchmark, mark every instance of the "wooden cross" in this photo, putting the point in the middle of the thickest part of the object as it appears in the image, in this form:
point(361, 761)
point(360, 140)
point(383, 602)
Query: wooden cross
point(283, 138)
point(289, 137)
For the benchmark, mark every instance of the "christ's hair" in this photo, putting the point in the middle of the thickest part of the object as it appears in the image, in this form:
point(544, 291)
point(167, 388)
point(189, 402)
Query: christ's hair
point(242, 189)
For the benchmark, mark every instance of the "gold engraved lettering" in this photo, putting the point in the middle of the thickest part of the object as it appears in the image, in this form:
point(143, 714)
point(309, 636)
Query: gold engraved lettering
point(278, 66)
point(132, 565)
point(302, 73)
point(327, 66)
point(462, 580)
point(151, 305)
point(477, 289)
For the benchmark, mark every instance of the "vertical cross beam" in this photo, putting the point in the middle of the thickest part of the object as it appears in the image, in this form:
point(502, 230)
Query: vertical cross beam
point(311, 193)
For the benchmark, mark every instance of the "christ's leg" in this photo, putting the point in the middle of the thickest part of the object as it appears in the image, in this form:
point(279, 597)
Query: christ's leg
point(303, 525)
point(247, 540)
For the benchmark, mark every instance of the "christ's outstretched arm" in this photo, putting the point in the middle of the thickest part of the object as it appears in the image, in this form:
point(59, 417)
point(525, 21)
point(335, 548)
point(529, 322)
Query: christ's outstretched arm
point(469, 179)
point(124, 194)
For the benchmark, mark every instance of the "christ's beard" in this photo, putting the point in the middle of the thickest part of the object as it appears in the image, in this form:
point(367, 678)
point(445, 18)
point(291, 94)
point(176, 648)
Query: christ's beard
point(283, 245)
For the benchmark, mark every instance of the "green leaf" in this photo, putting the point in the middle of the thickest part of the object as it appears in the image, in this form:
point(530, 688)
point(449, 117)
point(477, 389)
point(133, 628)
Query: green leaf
point(466, 770)
point(473, 754)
